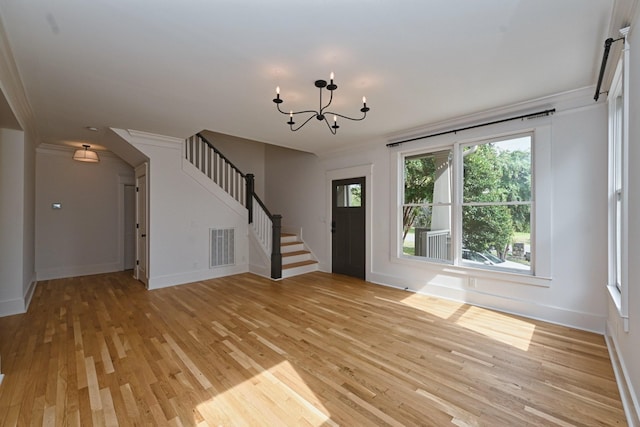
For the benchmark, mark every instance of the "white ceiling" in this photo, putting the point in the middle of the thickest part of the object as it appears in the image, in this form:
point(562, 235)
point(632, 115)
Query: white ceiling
point(175, 67)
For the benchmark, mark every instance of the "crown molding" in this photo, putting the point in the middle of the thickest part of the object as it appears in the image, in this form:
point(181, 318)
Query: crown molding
point(147, 138)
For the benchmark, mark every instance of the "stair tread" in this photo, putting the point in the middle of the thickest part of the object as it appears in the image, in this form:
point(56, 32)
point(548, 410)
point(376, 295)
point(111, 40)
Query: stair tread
point(287, 234)
point(290, 243)
point(299, 264)
point(295, 253)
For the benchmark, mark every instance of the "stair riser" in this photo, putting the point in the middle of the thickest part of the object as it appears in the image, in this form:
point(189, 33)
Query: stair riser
point(288, 239)
point(290, 272)
point(292, 248)
point(295, 258)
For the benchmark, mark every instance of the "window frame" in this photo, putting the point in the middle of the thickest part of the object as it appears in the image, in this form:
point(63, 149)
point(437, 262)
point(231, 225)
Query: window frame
point(457, 203)
point(618, 170)
point(542, 188)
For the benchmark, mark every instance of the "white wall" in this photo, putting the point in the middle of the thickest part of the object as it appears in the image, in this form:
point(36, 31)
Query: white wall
point(17, 278)
point(627, 344)
point(295, 190)
point(84, 236)
point(573, 296)
point(182, 209)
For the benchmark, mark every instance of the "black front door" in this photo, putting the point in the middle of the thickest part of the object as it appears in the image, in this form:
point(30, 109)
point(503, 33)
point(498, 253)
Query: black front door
point(348, 227)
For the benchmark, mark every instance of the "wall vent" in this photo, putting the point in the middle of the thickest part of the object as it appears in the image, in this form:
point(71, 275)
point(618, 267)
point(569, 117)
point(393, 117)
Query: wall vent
point(222, 247)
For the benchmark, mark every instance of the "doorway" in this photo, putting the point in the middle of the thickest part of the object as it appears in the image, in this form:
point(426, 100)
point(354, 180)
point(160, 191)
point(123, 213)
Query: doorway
point(348, 226)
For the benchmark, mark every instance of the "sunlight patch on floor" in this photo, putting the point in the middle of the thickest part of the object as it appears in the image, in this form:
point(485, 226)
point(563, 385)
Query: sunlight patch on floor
point(500, 327)
point(438, 307)
point(274, 396)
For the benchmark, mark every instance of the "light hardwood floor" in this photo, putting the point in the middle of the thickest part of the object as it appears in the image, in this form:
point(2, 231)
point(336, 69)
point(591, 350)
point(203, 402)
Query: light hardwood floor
point(313, 350)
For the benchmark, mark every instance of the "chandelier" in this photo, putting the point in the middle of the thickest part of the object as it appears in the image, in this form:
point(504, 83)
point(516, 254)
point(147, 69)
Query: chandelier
point(322, 113)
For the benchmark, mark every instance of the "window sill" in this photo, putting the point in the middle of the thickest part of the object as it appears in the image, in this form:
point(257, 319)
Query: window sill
point(479, 273)
point(616, 298)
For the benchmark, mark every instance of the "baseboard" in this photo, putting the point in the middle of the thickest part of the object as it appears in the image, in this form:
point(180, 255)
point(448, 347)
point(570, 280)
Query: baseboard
point(627, 394)
point(11, 307)
point(29, 294)
point(77, 270)
point(547, 313)
point(18, 305)
point(159, 282)
point(260, 270)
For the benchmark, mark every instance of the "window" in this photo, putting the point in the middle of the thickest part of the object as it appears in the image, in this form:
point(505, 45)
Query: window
point(616, 182)
point(426, 211)
point(492, 212)
point(496, 203)
point(618, 189)
point(349, 196)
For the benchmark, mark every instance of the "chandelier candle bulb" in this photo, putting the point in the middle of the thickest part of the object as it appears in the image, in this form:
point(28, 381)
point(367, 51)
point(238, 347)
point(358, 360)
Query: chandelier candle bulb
point(277, 99)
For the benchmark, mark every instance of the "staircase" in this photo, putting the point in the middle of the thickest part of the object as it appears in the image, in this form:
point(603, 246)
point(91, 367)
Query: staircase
point(296, 258)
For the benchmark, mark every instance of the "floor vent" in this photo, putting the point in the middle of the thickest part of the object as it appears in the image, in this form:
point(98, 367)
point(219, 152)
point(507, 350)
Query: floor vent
point(222, 247)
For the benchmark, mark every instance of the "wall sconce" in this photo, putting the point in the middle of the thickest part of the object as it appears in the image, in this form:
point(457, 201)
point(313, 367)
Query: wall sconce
point(86, 155)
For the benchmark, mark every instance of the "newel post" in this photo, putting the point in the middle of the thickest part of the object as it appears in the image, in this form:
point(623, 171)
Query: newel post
point(276, 255)
point(250, 187)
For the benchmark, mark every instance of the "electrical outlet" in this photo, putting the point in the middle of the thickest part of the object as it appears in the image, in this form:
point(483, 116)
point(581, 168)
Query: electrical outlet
point(472, 282)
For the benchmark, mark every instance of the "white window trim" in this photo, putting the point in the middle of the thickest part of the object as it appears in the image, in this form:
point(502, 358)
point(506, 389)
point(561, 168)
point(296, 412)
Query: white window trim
point(619, 86)
point(541, 226)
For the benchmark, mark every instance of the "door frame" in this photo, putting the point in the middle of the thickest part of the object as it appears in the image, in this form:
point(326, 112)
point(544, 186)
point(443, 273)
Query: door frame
point(365, 171)
point(123, 232)
point(142, 170)
point(123, 181)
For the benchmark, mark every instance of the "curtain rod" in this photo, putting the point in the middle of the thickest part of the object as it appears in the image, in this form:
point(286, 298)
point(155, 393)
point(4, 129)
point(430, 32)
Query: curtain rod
point(524, 116)
point(605, 55)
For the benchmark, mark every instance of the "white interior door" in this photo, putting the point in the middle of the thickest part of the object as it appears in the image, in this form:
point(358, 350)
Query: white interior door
point(142, 238)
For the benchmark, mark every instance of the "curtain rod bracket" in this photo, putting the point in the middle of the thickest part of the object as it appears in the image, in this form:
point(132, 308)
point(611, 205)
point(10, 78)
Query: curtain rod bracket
point(605, 55)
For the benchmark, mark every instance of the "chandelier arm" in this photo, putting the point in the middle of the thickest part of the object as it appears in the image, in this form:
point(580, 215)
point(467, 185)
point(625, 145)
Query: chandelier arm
point(329, 103)
point(303, 123)
point(332, 129)
point(348, 118)
point(296, 112)
point(302, 112)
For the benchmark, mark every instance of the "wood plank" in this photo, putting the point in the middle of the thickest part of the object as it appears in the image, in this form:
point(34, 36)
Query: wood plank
point(317, 349)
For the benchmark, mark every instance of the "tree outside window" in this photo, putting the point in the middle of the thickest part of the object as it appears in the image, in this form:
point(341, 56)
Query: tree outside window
point(496, 202)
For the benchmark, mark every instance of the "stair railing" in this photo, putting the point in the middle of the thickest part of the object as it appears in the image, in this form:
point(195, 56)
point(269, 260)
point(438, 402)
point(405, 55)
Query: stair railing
point(204, 156)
